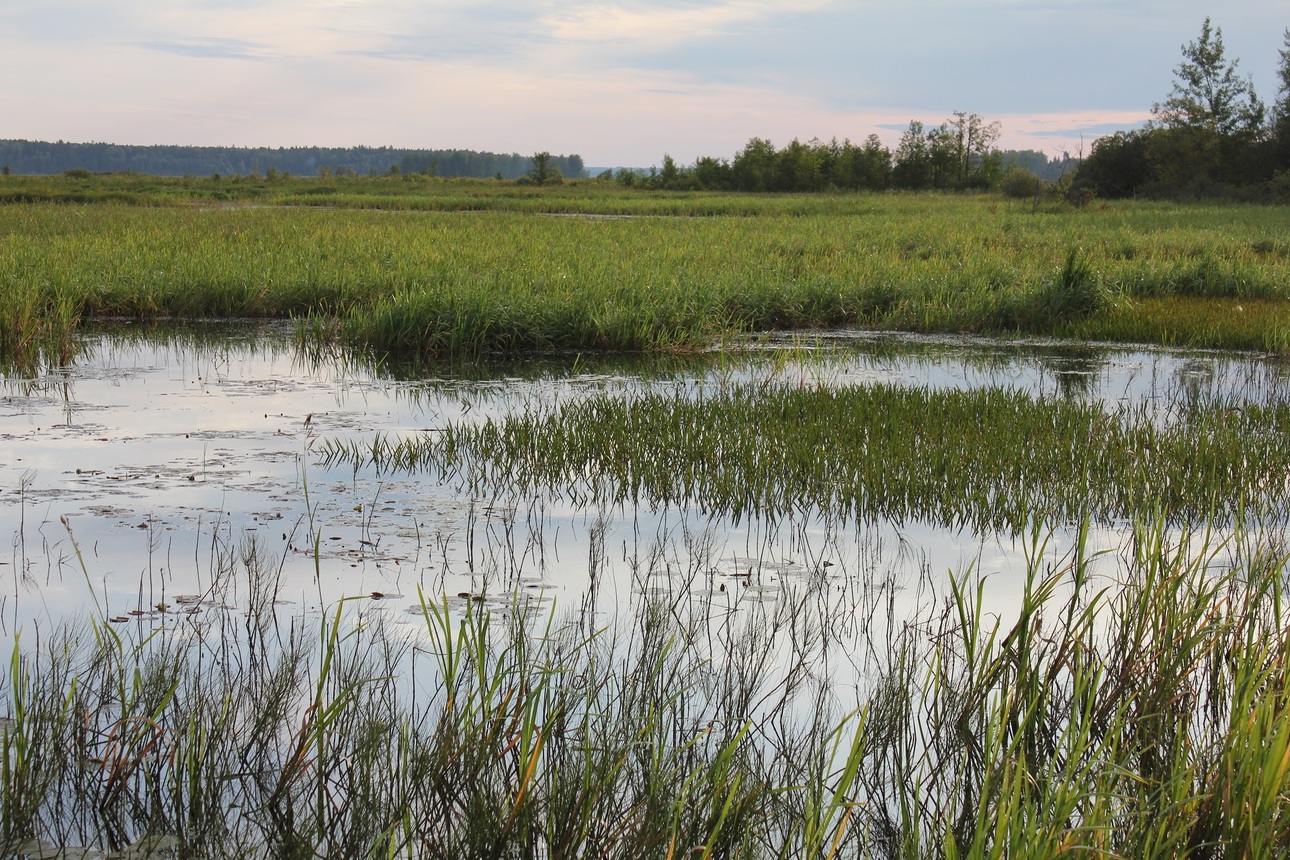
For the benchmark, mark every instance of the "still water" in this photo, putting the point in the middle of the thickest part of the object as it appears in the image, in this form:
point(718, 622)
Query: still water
point(131, 478)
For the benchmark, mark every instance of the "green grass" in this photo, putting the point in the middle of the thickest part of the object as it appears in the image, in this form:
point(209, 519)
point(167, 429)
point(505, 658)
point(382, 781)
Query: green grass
point(983, 459)
point(1141, 714)
point(1261, 324)
point(468, 268)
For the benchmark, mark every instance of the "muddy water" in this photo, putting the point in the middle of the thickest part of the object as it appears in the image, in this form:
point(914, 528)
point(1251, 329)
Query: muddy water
point(142, 481)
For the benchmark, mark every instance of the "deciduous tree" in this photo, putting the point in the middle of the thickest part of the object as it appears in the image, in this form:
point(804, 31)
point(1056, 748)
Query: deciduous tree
point(913, 161)
point(974, 140)
point(754, 168)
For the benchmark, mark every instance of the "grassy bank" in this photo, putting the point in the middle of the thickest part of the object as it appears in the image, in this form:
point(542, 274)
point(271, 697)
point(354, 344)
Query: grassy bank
point(502, 279)
point(1143, 721)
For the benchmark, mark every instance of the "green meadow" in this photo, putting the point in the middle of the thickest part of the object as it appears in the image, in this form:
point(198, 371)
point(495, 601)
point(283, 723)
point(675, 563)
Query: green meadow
point(443, 268)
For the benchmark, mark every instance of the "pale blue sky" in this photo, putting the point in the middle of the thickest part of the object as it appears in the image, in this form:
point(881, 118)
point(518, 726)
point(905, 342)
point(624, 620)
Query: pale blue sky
point(618, 82)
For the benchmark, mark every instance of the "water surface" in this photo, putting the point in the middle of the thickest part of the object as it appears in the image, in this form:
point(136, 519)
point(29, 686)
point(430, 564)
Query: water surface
point(128, 479)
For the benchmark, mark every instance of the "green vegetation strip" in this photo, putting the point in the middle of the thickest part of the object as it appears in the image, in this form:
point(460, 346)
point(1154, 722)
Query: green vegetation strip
point(986, 459)
point(507, 280)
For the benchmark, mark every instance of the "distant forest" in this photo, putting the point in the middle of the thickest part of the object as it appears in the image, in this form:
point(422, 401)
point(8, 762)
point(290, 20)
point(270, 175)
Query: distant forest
point(39, 157)
point(959, 154)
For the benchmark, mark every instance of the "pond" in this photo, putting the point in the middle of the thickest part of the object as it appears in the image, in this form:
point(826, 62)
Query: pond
point(127, 476)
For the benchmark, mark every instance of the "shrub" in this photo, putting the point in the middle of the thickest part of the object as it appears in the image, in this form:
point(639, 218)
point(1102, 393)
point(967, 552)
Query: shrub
point(1020, 182)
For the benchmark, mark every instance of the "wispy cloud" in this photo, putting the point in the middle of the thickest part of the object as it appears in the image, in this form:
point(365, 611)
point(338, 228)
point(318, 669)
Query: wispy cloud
point(660, 24)
point(227, 49)
point(1090, 132)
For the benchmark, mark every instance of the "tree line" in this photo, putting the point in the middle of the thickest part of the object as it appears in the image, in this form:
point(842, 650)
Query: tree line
point(1211, 136)
point(958, 154)
point(40, 157)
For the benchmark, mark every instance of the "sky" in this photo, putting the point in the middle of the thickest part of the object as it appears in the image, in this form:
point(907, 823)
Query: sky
point(619, 82)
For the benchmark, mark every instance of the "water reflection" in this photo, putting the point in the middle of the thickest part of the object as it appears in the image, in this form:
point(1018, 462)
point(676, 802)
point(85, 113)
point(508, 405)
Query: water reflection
point(166, 448)
point(1076, 368)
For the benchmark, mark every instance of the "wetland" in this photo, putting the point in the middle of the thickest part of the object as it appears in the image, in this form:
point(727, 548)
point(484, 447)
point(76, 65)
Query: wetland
point(671, 538)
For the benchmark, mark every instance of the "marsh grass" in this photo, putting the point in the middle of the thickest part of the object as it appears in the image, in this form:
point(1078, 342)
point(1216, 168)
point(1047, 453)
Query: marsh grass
point(485, 734)
point(1139, 713)
point(496, 276)
point(1261, 324)
point(985, 459)
point(1106, 723)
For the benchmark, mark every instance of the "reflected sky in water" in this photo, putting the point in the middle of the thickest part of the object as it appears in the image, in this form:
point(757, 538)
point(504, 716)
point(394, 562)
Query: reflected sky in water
point(168, 453)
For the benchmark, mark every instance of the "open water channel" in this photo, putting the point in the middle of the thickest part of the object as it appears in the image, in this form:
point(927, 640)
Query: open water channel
point(129, 479)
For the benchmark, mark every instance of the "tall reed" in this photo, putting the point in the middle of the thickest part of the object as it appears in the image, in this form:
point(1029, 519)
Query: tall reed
point(1139, 714)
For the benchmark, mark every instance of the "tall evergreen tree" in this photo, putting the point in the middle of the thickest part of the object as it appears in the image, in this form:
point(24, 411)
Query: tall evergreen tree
point(1208, 94)
point(1208, 129)
point(1281, 109)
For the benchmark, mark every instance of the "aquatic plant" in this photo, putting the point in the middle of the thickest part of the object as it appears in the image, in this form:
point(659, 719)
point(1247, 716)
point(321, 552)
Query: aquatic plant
point(1136, 715)
point(984, 459)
